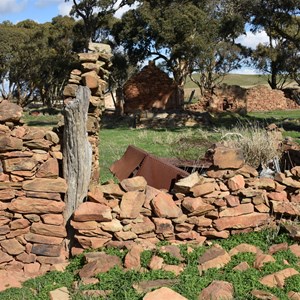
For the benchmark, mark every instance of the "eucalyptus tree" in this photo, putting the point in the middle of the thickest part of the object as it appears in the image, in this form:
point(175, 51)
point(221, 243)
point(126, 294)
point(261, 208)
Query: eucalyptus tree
point(97, 17)
point(185, 36)
point(280, 56)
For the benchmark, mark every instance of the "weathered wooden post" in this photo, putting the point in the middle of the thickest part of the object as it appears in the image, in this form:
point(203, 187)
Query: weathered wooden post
point(77, 150)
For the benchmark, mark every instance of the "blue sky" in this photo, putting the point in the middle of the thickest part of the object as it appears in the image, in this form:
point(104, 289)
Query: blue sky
point(40, 11)
point(43, 11)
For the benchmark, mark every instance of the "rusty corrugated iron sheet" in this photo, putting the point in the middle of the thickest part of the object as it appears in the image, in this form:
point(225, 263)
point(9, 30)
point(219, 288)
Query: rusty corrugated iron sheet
point(137, 162)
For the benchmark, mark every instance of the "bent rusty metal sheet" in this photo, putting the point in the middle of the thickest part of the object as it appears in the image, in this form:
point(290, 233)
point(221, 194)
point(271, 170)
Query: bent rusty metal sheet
point(137, 162)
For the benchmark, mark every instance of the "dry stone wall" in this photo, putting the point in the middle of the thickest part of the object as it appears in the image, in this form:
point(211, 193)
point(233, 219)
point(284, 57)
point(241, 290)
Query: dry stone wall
point(238, 99)
point(93, 73)
point(229, 199)
point(32, 228)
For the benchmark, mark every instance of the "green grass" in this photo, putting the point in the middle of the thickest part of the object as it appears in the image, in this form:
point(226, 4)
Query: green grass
point(189, 283)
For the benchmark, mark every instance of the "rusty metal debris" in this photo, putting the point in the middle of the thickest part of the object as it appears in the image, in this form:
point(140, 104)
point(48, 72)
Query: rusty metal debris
point(137, 162)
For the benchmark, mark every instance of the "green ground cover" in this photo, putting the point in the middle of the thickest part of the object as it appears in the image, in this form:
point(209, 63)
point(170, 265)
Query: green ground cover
point(189, 283)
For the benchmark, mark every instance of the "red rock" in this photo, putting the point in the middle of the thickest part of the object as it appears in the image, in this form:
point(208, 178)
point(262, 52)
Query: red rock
point(258, 294)
point(43, 195)
point(265, 183)
point(112, 226)
point(262, 208)
point(163, 225)
point(200, 221)
point(165, 207)
point(40, 144)
point(26, 258)
point(237, 211)
point(285, 207)
point(125, 235)
point(9, 279)
point(61, 293)
point(90, 79)
point(236, 183)
point(215, 234)
point(34, 205)
point(47, 250)
point(242, 248)
point(240, 222)
point(132, 259)
point(19, 164)
point(278, 247)
point(163, 293)
point(278, 196)
point(102, 264)
point(185, 184)
point(203, 189)
point(7, 194)
point(48, 230)
point(156, 263)
point(48, 169)
point(288, 181)
point(177, 270)
point(295, 249)
point(17, 233)
point(10, 112)
point(225, 158)
point(9, 143)
point(19, 224)
point(215, 257)
point(217, 290)
point(96, 195)
point(197, 206)
point(261, 259)
point(277, 279)
point(4, 257)
point(295, 198)
point(137, 183)
point(53, 219)
point(88, 225)
point(131, 204)
point(184, 227)
point(293, 295)
point(4, 230)
point(89, 211)
point(12, 246)
point(32, 269)
point(41, 239)
point(57, 185)
point(243, 266)
point(144, 227)
point(247, 171)
point(91, 242)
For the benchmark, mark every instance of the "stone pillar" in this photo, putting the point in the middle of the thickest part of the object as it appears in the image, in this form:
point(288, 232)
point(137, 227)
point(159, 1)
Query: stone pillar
point(94, 74)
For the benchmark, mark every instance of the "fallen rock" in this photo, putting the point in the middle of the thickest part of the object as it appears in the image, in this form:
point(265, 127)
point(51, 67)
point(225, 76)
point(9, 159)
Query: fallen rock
point(60, 294)
point(215, 257)
point(277, 279)
point(217, 290)
point(137, 183)
point(263, 295)
point(163, 293)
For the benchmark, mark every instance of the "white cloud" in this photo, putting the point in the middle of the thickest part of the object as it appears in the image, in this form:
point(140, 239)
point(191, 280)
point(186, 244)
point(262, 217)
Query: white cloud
point(65, 8)
point(12, 6)
point(252, 40)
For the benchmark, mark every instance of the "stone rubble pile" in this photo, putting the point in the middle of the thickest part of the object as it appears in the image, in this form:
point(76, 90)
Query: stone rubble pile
point(230, 199)
point(93, 73)
point(32, 228)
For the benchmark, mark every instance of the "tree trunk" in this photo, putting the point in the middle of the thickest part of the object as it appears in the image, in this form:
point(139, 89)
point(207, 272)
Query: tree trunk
point(77, 151)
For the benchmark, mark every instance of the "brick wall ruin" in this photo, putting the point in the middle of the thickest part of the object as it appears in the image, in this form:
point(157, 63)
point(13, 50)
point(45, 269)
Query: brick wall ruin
point(150, 89)
point(238, 99)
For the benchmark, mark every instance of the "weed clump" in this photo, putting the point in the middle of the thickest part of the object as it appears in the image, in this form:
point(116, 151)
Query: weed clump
point(258, 145)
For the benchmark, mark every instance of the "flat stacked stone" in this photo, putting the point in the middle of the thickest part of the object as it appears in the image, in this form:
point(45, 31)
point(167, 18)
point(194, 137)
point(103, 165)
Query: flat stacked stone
point(93, 73)
point(31, 195)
